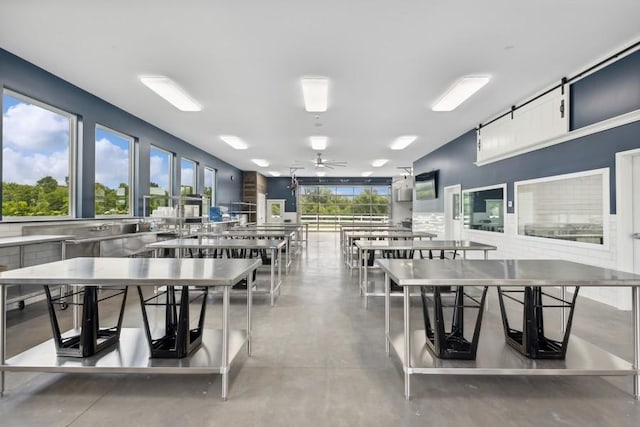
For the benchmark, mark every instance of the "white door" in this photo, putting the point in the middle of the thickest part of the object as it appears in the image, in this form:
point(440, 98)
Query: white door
point(275, 210)
point(452, 212)
point(261, 208)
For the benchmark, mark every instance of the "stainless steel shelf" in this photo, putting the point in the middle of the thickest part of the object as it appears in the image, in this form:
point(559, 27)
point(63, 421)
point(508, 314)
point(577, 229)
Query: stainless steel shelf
point(131, 356)
point(495, 357)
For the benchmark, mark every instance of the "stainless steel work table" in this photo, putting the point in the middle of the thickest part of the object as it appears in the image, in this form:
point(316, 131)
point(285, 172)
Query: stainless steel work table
point(364, 246)
point(355, 228)
point(219, 347)
point(494, 357)
point(36, 239)
point(351, 237)
point(273, 246)
point(285, 235)
point(298, 227)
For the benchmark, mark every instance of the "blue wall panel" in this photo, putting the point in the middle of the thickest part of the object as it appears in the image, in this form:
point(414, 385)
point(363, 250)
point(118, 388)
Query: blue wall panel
point(32, 81)
point(610, 92)
point(278, 188)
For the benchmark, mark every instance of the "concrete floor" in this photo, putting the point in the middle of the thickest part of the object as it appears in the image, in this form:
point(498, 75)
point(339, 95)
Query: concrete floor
point(318, 359)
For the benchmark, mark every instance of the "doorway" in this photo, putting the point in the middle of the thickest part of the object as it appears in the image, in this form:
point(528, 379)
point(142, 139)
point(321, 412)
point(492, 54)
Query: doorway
point(452, 212)
point(628, 209)
point(275, 210)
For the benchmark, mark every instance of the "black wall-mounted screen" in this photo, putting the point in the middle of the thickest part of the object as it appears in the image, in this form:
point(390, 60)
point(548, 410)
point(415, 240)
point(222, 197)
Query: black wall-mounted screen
point(426, 185)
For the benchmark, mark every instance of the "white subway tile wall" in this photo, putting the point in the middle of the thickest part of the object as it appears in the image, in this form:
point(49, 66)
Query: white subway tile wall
point(512, 246)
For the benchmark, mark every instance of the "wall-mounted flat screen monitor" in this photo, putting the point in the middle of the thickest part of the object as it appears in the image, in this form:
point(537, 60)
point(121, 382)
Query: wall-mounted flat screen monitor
point(426, 185)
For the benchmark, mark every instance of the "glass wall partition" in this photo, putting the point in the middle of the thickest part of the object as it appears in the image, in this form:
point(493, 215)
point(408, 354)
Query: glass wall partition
point(484, 208)
point(325, 207)
point(568, 207)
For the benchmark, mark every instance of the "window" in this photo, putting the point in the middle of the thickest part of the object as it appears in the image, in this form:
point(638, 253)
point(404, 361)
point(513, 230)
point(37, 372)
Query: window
point(568, 207)
point(160, 184)
point(210, 185)
point(38, 148)
point(483, 208)
point(325, 206)
point(187, 177)
point(114, 169)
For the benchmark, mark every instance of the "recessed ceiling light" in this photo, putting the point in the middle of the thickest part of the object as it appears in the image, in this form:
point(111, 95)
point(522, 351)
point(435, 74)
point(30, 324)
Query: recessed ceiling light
point(234, 141)
point(321, 173)
point(260, 162)
point(402, 142)
point(318, 142)
point(460, 92)
point(316, 94)
point(274, 173)
point(368, 173)
point(171, 92)
point(379, 162)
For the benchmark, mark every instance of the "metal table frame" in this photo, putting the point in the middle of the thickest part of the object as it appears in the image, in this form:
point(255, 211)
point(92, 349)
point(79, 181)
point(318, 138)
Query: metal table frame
point(298, 227)
point(350, 237)
point(220, 347)
point(274, 246)
point(259, 234)
point(355, 228)
point(364, 246)
point(582, 358)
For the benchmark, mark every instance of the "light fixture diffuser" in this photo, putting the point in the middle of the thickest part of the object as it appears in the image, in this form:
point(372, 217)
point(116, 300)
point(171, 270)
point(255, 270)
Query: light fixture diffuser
point(460, 92)
point(402, 142)
point(234, 142)
point(274, 173)
point(379, 162)
point(368, 173)
point(315, 91)
point(318, 142)
point(171, 92)
point(260, 162)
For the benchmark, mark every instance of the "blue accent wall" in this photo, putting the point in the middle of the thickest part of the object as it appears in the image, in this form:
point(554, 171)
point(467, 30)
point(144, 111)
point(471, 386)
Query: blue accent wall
point(609, 92)
point(594, 98)
point(27, 79)
point(278, 188)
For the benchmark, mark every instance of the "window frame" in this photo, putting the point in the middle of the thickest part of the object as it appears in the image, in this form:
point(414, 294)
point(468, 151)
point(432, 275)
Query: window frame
point(195, 175)
point(73, 164)
point(131, 170)
point(606, 202)
point(503, 186)
point(214, 182)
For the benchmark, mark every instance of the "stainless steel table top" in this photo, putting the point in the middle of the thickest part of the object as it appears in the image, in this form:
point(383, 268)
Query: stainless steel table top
point(420, 272)
point(6, 242)
point(213, 243)
point(445, 245)
point(251, 233)
point(133, 271)
point(388, 233)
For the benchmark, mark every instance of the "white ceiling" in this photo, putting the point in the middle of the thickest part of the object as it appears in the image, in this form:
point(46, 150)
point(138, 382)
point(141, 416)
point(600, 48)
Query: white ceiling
point(387, 61)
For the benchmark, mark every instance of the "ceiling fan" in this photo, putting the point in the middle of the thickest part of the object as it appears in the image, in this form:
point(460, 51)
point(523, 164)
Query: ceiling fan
point(319, 162)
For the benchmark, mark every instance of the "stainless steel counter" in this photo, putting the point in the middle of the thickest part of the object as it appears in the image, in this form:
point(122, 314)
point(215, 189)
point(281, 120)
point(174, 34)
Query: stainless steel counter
point(117, 272)
point(351, 236)
point(589, 360)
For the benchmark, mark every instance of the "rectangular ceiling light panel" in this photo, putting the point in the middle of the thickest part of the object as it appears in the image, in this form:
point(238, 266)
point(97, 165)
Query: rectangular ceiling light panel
point(316, 94)
point(460, 92)
point(234, 142)
point(318, 142)
point(321, 173)
point(260, 162)
point(368, 173)
point(379, 162)
point(402, 142)
point(274, 173)
point(171, 92)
